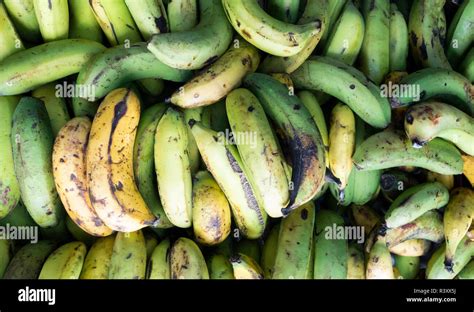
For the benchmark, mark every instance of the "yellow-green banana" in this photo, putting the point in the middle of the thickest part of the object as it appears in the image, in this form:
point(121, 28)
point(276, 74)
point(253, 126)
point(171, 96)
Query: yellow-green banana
point(65, 262)
point(28, 261)
point(53, 19)
point(98, 259)
point(182, 15)
point(150, 16)
point(159, 263)
point(355, 262)
point(128, 260)
point(11, 41)
point(411, 248)
point(399, 44)
point(246, 268)
point(22, 14)
point(436, 267)
point(467, 272)
point(334, 9)
point(379, 263)
point(83, 24)
point(55, 106)
point(5, 255)
point(187, 261)
point(446, 179)
point(220, 267)
point(269, 251)
point(365, 216)
point(408, 267)
point(193, 150)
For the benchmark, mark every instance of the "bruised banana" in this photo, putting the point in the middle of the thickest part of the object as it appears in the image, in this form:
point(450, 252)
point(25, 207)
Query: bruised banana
point(28, 261)
point(70, 176)
point(266, 32)
point(220, 78)
point(83, 24)
point(150, 16)
point(22, 14)
point(159, 263)
point(436, 266)
point(263, 161)
point(392, 148)
point(411, 248)
point(379, 264)
point(34, 67)
point(11, 41)
point(56, 106)
point(97, 263)
point(299, 133)
point(113, 192)
point(128, 260)
point(245, 267)
point(429, 120)
point(198, 47)
point(182, 14)
point(65, 262)
point(53, 19)
point(187, 261)
point(355, 262)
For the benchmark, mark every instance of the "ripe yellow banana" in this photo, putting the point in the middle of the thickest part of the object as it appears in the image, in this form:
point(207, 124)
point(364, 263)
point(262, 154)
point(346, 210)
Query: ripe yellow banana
point(53, 19)
point(65, 262)
point(128, 259)
point(97, 262)
point(114, 194)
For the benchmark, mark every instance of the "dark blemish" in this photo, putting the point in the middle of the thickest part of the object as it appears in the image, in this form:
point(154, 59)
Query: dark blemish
point(61, 160)
point(160, 23)
point(73, 177)
point(424, 53)
point(304, 214)
point(244, 32)
point(191, 123)
point(414, 38)
point(211, 60)
point(238, 23)
point(119, 186)
point(120, 110)
point(34, 125)
point(409, 119)
point(129, 256)
point(352, 86)
point(251, 109)
point(130, 26)
point(50, 5)
point(296, 107)
point(245, 61)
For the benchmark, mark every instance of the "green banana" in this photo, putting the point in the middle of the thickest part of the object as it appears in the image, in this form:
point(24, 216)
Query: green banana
point(355, 262)
point(394, 182)
point(429, 120)
point(150, 16)
point(467, 66)
point(65, 262)
point(5, 255)
point(220, 267)
point(436, 268)
point(11, 41)
point(399, 41)
point(128, 260)
point(250, 248)
point(334, 9)
point(32, 141)
point(224, 163)
point(28, 261)
point(269, 251)
point(187, 261)
point(182, 15)
point(284, 10)
point(408, 267)
point(83, 24)
point(298, 132)
point(245, 267)
point(151, 86)
point(295, 244)
point(216, 115)
point(460, 33)
point(22, 14)
point(159, 263)
point(98, 259)
point(392, 148)
point(19, 216)
point(379, 263)
point(467, 272)
point(348, 85)
point(198, 47)
point(414, 202)
point(331, 252)
point(53, 19)
point(150, 242)
point(34, 67)
point(144, 162)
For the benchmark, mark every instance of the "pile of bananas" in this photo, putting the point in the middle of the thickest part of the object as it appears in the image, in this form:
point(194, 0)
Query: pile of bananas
point(222, 139)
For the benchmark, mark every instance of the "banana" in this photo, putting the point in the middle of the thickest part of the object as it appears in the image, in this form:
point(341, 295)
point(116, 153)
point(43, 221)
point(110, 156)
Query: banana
point(118, 66)
point(443, 84)
point(220, 268)
point(32, 141)
point(193, 150)
point(355, 262)
point(150, 242)
point(467, 272)
point(298, 132)
point(446, 180)
point(113, 192)
point(468, 169)
point(269, 251)
point(436, 267)
point(65, 262)
point(116, 22)
point(187, 261)
point(365, 216)
point(224, 163)
point(429, 120)
point(457, 220)
point(159, 263)
point(151, 86)
point(172, 168)
point(53, 19)
point(28, 261)
point(295, 244)
point(334, 9)
point(313, 11)
point(394, 182)
point(28, 69)
point(284, 10)
point(19, 216)
point(216, 115)
point(144, 162)
point(429, 226)
point(22, 14)
point(246, 268)
point(83, 24)
point(408, 267)
point(460, 33)
point(331, 252)
point(379, 263)
point(79, 234)
point(182, 15)
point(345, 42)
point(466, 68)
point(411, 248)
point(55, 106)
point(348, 85)
point(128, 260)
point(341, 143)
point(11, 41)
point(392, 148)
point(198, 47)
point(250, 248)
point(211, 216)
point(98, 259)
point(9, 187)
point(220, 78)
point(414, 202)
point(266, 32)
point(6, 254)
point(150, 16)
point(425, 27)
point(284, 79)
point(70, 177)
point(399, 41)
point(374, 56)
point(262, 159)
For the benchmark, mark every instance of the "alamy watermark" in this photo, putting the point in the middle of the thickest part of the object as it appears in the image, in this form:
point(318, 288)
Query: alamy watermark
point(66, 90)
point(395, 90)
point(238, 138)
point(11, 232)
point(335, 231)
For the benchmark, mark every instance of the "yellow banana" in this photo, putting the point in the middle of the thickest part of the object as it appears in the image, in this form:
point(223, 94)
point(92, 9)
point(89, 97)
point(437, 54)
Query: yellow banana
point(468, 168)
point(411, 248)
point(246, 267)
point(53, 19)
point(65, 262)
point(97, 262)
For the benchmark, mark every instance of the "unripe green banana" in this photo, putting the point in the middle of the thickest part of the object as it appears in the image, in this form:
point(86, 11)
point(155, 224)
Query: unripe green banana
point(408, 266)
point(182, 15)
point(414, 202)
point(429, 120)
point(436, 267)
point(198, 47)
point(460, 33)
point(144, 162)
point(65, 262)
point(299, 133)
point(392, 148)
point(334, 10)
point(411, 248)
point(83, 24)
point(32, 141)
point(284, 10)
point(355, 262)
point(150, 16)
point(5, 255)
point(55, 106)
point(151, 86)
point(245, 267)
point(348, 85)
point(269, 251)
point(53, 19)
point(331, 252)
point(22, 14)
point(295, 244)
point(172, 168)
point(11, 41)
point(379, 263)
point(28, 261)
point(224, 163)
point(34, 67)
point(98, 259)
point(467, 66)
point(467, 272)
point(220, 267)
point(128, 259)
point(399, 44)
point(159, 263)
point(187, 261)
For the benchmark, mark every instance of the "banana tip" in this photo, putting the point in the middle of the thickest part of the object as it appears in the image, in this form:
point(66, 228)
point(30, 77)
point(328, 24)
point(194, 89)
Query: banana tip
point(191, 123)
point(448, 265)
